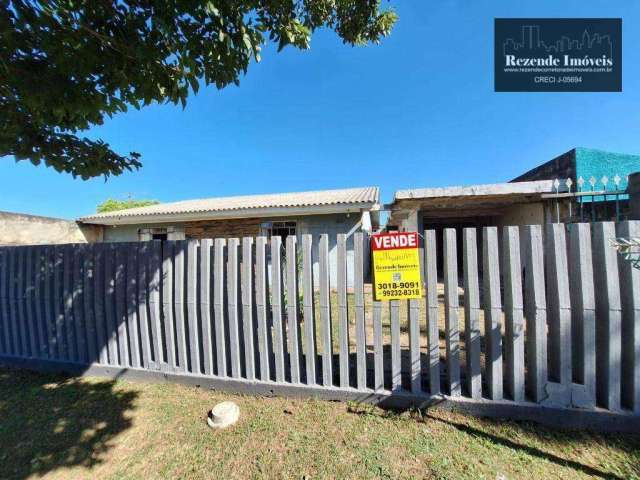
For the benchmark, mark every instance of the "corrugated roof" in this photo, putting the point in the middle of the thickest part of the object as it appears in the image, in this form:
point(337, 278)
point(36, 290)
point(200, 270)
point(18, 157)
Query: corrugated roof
point(364, 195)
point(522, 188)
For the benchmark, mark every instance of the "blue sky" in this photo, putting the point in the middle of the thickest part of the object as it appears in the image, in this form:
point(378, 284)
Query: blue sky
point(417, 110)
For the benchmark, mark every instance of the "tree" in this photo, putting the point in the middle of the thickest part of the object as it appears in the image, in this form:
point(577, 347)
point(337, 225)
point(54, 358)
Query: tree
point(111, 205)
point(67, 64)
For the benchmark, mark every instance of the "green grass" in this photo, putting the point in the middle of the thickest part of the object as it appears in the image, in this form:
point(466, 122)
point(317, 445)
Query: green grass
point(57, 427)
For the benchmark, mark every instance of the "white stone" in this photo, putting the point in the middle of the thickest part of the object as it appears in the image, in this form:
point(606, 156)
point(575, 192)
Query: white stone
point(223, 415)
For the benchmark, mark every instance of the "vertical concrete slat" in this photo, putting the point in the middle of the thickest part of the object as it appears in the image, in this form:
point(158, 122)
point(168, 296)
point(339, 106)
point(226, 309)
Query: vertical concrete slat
point(48, 293)
point(514, 316)
point(276, 307)
point(132, 339)
point(143, 304)
point(247, 307)
point(325, 312)
point(431, 274)
point(13, 302)
point(155, 313)
point(535, 312)
point(110, 302)
point(57, 300)
point(559, 309)
point(29, 288)
point(34, 317)
point(583, 325)
point(79, 320)
point(608, 314)
point(414, 345)
point(4, 301)
point(358, 285)
point(20, 290)
point(343, 311)
point(292, 308)
point(205, 305)
point(472, 313)
point(261, 308)
point(218, 306)
point(179, 304)
point(167, 302)
point(89, 274)
point(452, 333)
point(68, 303)
point(132, 305)
point(122, 312)
point(630, 296)
point(492, 313)
point(396, 352)
point(192, 307)
point(99, 306)
point(20, 300)
point(38, 298)
point(233, 245)
point(309, 317)
point(378, 350)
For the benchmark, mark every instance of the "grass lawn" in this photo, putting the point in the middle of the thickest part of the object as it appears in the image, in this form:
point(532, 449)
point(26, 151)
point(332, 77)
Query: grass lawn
point(57, 427)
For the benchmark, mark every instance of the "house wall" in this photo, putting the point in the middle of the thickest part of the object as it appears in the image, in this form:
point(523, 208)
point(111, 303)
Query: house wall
point(314, 224)
point(562, 166)
point(523, 214)
point(23, 229)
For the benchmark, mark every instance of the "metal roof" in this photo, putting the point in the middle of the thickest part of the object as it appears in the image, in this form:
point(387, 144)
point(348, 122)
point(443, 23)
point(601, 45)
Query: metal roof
point(516, 188)
point(243, 205)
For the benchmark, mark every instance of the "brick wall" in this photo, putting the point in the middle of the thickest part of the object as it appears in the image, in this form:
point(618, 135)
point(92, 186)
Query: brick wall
point(238, 227)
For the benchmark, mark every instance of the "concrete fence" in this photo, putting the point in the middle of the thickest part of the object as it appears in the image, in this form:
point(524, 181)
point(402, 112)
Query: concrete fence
point(523, 322)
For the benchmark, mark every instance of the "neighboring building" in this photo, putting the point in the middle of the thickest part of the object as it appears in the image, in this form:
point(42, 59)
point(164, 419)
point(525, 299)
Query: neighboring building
point(24, 229)
point(596, 191)
point(498, 204)
point(532, 198)
point(471, 206)
point(329, 211)
point(634, 196)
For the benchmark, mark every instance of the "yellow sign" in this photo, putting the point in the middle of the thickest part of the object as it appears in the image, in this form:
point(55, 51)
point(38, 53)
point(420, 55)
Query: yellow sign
point(396, 266)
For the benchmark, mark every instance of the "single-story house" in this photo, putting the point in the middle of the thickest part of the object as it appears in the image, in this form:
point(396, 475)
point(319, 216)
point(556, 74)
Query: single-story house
point(329, 211)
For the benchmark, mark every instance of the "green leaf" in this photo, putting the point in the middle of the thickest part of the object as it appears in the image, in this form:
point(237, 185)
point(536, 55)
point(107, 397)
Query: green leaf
point(75, 63)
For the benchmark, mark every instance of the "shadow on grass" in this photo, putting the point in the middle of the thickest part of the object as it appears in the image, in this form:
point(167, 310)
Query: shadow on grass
point(628, 447)
point(50, 421)
point(627, 443)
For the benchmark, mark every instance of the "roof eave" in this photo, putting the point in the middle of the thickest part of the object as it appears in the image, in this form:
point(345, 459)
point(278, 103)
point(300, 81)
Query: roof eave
point(231, 214)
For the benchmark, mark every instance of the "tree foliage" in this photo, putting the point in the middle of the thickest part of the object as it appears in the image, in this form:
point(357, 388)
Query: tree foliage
point(111, 205)
point(65, 65)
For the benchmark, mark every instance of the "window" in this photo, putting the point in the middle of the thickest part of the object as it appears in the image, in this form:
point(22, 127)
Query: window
point(146, 234)
point(280, 228)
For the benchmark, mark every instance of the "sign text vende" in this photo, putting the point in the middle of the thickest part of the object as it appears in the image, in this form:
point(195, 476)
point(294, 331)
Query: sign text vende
point(396, 266)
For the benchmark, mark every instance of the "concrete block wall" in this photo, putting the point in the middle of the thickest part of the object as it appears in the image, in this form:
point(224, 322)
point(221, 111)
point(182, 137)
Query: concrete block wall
point(23, 229)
